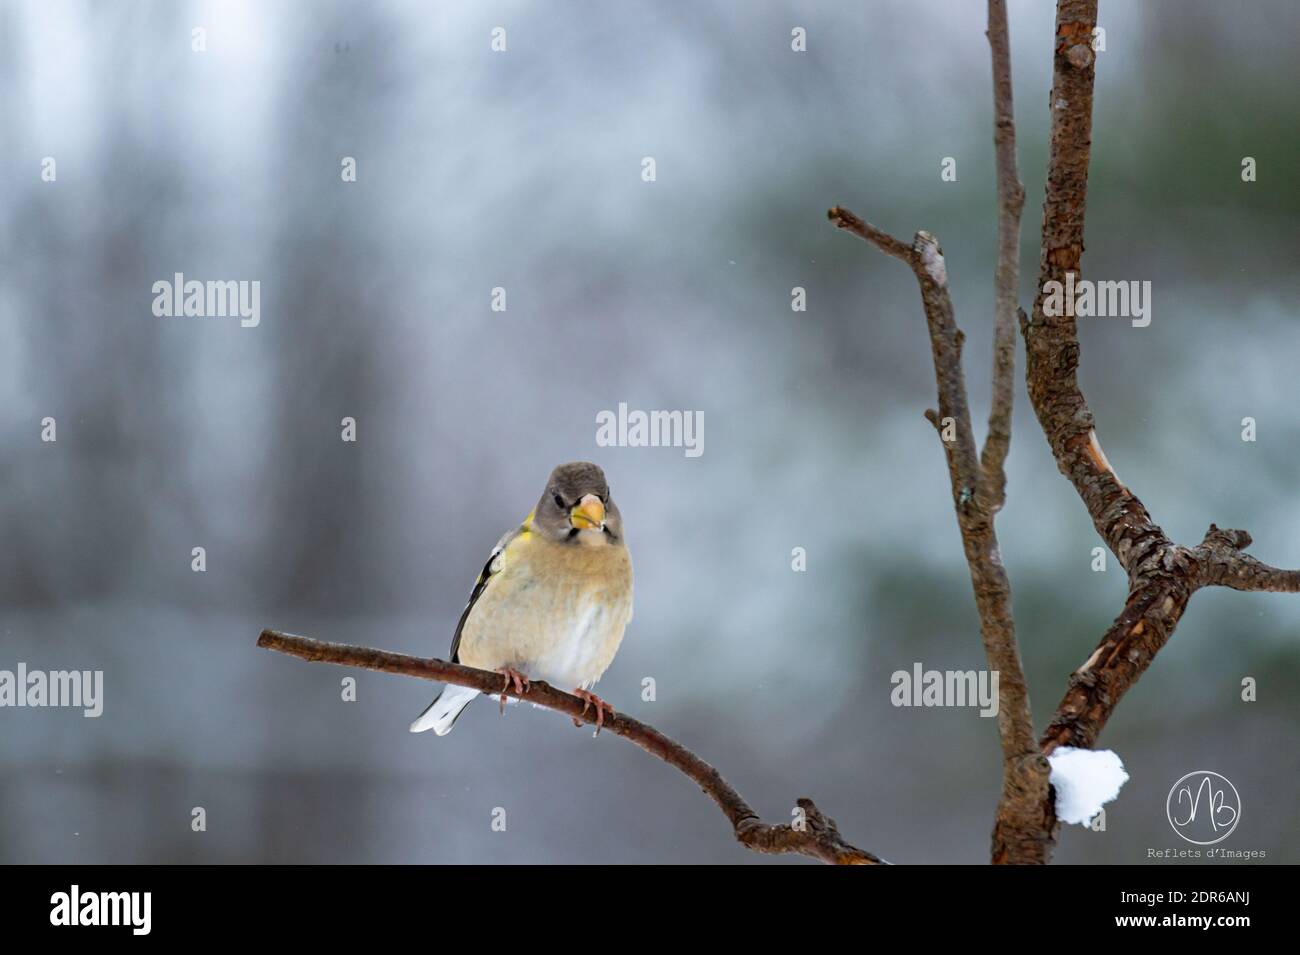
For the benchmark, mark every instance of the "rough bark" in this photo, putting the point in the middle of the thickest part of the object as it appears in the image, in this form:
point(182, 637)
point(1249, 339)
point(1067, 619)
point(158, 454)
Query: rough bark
point(1162, 575)
point(1157, 598)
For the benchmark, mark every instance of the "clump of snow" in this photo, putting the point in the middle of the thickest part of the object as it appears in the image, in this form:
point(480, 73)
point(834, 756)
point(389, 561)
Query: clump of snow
point(1084, 780)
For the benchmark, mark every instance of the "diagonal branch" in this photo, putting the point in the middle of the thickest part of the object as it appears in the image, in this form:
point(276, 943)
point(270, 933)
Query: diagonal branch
point(1052, 342)
point(1017, 831)
point(1154, 606)
point(817, 837)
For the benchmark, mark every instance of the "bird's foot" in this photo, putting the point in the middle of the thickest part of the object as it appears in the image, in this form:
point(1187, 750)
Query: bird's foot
point(589, 700)
point(520, 681)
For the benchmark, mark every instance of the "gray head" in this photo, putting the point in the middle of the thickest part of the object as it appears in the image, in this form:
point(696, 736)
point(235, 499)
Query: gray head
point(576, 507)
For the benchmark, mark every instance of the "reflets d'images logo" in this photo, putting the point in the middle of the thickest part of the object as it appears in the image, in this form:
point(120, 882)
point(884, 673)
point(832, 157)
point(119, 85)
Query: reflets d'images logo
point(1203, 807)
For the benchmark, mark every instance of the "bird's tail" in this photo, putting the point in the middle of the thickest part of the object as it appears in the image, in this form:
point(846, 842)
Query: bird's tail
point(443, 712)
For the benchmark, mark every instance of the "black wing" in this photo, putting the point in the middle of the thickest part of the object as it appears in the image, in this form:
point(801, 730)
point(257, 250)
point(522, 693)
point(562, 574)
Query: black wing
point(490, 569)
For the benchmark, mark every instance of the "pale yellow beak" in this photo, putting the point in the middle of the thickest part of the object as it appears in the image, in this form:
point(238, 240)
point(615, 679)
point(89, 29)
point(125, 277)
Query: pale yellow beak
point(588, 514)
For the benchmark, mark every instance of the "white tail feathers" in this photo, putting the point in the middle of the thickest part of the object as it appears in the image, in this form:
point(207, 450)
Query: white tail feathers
point(443, 712)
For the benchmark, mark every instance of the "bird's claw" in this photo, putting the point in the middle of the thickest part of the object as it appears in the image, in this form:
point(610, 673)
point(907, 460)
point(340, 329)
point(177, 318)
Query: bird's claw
point(520, 681)
point(589, 700)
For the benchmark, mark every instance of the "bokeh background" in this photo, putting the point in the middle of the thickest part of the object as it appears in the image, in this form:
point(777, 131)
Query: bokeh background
point(522, 170)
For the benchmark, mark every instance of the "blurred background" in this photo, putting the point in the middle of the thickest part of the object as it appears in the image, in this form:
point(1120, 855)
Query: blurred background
point(522, 170)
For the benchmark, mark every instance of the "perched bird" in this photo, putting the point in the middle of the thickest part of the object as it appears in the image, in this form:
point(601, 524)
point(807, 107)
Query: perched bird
point(552, 601)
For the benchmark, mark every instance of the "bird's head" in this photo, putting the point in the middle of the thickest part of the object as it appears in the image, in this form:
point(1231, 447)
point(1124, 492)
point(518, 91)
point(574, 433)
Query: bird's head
point(576, 507)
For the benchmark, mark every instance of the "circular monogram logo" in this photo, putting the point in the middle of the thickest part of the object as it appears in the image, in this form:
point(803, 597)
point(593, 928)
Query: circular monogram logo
point(1203, 807)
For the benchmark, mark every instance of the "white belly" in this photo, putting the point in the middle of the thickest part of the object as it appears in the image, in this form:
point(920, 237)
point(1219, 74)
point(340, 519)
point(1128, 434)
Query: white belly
point(580, 653)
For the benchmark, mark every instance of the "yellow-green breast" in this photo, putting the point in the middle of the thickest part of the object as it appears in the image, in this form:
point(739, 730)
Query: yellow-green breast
point(554, 611)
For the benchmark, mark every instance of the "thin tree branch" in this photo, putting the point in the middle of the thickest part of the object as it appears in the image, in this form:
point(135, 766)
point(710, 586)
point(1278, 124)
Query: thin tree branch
point(1017, 830)
point(818, 838)
point(883, 241)
point(1246, 573)
point(1006, 276)
point(1224, 565)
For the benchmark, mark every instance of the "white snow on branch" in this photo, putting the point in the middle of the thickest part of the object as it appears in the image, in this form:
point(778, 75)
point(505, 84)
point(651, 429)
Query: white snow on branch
point(1084, 780)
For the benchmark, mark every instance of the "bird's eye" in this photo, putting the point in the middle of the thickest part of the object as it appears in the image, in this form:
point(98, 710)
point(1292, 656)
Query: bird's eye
point(559, 502)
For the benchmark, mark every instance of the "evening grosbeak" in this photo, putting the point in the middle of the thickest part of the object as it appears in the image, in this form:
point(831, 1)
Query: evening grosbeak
point(552, 600)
